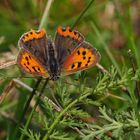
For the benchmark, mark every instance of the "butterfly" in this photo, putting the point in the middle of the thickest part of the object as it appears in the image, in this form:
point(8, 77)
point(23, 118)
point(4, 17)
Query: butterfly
point(69, 53)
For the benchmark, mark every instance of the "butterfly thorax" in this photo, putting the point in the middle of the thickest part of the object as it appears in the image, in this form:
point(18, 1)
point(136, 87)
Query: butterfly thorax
point(53, 66)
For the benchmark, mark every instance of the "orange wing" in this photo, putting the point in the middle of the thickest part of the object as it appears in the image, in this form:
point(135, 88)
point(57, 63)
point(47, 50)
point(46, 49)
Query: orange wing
point(35, 42)
point(83, 57)
point(29, 64)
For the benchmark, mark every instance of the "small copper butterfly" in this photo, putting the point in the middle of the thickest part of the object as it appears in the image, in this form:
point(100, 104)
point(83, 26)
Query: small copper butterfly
point(67, 54)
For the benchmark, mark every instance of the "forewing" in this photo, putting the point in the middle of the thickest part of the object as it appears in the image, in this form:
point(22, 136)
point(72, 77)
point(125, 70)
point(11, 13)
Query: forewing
point(83, 57)
point(66, 40)
point(35, 43)
point(29, 64)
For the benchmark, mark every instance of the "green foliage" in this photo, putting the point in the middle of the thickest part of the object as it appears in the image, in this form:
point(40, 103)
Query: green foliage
point(119, 124)
point(31, 135)
point(122, 125)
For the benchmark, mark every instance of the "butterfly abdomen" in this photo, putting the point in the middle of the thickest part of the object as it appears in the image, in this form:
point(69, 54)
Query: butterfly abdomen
point(52, 62)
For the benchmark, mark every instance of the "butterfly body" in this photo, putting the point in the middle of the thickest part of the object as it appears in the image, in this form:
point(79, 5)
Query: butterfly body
point(67, 54)
point(53, 64)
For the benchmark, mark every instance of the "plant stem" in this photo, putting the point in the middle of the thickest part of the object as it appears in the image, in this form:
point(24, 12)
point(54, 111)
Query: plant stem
point(45, 15)
point(34, 108)
point(82, 13)
point(102, 69)
point(62, 113)
point(137, 88)
point(30, 98)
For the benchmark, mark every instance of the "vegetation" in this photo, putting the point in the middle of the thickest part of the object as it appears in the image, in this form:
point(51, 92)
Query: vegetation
point(99, 103)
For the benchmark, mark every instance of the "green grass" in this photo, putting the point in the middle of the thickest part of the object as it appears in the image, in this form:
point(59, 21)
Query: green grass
point(99, 103)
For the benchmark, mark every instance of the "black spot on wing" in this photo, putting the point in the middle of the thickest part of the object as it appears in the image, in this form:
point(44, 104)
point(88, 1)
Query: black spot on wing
point(78, 52)
point(34, 69)
point(27, 35)
point(88, 61)
point(26, 58)
point(86, 65)
point(38, 69)
point(75, 33)
point(84, 57)
point(29, 57)
point(23, 38)
point(72, 66)
point(89, 58)
point(79, 64)
point(28, 63)
point(27, 67)
point(84, 53)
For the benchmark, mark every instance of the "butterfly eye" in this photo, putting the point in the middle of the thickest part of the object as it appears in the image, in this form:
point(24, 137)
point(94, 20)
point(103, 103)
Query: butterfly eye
point(79, 64)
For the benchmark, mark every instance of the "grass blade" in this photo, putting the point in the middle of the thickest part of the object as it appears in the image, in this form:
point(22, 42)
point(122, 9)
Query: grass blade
point(82, 13)
point(105, 47)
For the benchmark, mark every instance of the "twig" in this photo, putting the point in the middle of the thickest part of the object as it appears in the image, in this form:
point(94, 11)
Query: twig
point(51, 103)
point(57, 108)
point(78, 131)
point(7, 116)
point(7, 64)
point(103, 69)
point(10, 86)
point(113, 96)
point(45, 15)
point(23, 85)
